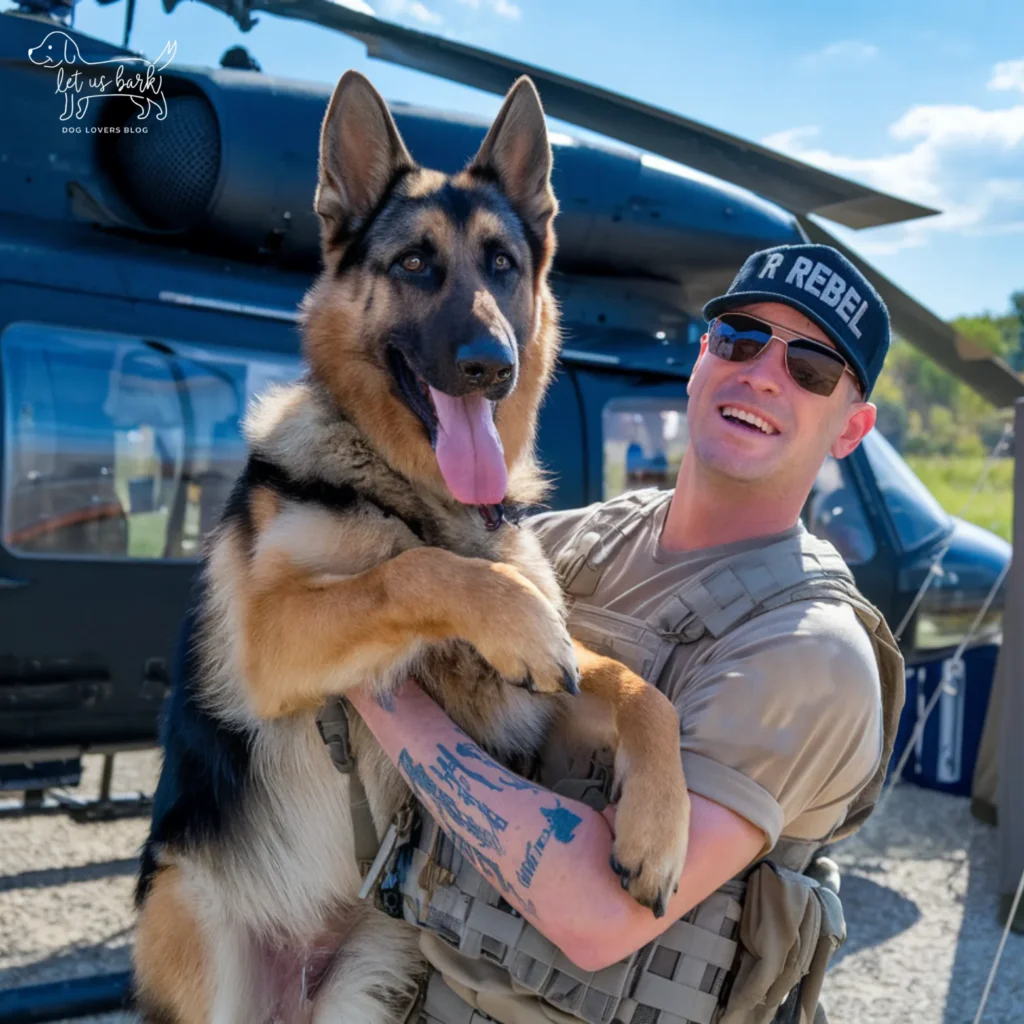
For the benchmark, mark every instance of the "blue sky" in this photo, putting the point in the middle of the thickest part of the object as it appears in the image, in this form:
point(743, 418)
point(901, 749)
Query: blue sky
point(921, 98)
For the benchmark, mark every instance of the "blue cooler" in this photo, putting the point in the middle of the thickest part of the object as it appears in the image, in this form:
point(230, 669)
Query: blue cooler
point(945, 754)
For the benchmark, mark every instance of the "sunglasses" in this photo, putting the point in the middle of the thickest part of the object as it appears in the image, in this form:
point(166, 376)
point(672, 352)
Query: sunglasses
point(740, 338)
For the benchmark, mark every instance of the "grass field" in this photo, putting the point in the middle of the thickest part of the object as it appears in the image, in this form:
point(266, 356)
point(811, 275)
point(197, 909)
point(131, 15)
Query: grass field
point(952, 479)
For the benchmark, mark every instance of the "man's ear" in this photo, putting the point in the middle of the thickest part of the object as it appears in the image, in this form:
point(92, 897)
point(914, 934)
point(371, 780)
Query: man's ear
point(517, 155)
point(859, 422)
point(361, 152)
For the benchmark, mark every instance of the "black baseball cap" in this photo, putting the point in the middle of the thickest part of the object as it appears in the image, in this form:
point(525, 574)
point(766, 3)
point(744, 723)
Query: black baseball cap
point(827, 288)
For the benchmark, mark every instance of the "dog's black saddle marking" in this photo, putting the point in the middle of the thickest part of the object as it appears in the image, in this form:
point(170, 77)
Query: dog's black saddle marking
point(206, 770)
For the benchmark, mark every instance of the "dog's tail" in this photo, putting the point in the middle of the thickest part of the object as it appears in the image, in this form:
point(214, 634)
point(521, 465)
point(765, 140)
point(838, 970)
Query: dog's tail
point(166, 56)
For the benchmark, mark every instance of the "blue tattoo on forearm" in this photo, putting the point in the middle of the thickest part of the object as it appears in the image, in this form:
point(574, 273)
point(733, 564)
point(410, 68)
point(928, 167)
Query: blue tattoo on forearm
point(446, 787)
point(561, 825)
point(447, 807)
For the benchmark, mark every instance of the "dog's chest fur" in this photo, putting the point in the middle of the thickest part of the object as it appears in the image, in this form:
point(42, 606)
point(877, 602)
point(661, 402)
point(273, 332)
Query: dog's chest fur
point(342, 511)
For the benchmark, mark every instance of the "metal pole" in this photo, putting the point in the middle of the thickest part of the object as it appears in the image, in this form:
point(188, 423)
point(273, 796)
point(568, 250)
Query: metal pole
point(66, 1000)
point(1011, 747)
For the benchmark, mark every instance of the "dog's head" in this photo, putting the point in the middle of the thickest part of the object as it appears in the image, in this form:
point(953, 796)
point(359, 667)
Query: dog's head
point(56, 49)
point(432, 324)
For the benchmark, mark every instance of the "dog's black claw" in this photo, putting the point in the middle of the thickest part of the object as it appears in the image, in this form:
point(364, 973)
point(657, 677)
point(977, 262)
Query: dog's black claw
point(676, 889)
point(617, 867)
point(570, 681)
point(659, 906)
point(529, 684)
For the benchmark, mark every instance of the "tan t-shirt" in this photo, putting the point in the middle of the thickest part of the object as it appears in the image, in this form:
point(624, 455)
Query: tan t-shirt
point(780, 719)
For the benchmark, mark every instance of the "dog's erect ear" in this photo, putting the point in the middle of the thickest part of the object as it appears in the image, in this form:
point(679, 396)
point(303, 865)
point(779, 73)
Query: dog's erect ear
point(517, 154)
point(360, 154)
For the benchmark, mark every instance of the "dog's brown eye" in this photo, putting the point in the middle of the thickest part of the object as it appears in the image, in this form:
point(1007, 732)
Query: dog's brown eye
point(413, 262)
point(502, 262)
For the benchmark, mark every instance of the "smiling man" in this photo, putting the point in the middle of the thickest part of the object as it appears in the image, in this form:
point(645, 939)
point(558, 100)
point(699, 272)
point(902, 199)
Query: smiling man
point(787, 684)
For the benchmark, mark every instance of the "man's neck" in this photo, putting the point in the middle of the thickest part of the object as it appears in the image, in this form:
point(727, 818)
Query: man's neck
point(707, 511)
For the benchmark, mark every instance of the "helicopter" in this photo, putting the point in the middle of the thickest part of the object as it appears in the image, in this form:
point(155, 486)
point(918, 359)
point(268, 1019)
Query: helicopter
point(154, 248)
point(153, 254)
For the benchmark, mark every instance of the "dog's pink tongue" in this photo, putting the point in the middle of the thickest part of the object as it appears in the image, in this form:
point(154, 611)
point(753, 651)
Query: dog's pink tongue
point(469, 450)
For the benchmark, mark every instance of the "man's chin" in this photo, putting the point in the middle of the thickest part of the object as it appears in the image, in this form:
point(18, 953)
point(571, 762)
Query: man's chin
point(738, 467)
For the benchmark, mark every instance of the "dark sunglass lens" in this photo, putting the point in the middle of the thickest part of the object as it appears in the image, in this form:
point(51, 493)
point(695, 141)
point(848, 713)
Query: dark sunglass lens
point(815, 368)
point(737, 339)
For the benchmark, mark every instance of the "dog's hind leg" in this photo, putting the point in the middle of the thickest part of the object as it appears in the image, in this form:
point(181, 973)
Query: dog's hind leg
point(375, 975)
point(172, 969)
point(190, 968)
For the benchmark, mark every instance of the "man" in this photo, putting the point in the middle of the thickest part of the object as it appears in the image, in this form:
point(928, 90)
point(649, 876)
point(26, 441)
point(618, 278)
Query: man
point(782, 730)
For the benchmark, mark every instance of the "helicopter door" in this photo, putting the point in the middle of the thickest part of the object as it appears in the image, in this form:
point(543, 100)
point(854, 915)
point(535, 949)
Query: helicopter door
point(118, 454)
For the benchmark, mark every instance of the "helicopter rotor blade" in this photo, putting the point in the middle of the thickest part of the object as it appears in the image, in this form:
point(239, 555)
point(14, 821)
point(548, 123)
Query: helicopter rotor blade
point(975, 365)
point(796, 186)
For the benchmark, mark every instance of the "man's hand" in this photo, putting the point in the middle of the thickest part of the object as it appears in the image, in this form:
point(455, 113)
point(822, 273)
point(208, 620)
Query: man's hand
point(549, 855)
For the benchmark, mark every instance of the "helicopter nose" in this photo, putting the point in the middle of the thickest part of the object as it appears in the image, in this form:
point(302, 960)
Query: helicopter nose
point(485, 362)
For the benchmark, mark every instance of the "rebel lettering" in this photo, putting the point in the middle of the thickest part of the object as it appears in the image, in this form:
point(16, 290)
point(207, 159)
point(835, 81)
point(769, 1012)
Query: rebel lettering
point(849, 303)
point(818, 277)
point(800, 269)
point(833, 290)
point(860, 312)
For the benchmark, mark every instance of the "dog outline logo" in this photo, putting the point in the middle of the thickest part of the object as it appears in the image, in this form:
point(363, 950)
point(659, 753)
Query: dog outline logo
point(143, 85)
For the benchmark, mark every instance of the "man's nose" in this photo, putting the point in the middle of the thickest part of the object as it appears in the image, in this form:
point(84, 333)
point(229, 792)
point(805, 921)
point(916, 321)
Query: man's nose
point(485, 361)
point(768, 371)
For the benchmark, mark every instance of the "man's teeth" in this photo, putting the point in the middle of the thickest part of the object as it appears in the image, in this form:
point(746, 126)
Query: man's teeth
point(749, 417)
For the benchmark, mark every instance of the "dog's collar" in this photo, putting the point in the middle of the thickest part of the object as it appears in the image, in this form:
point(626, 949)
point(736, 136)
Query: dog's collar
point(492, 515)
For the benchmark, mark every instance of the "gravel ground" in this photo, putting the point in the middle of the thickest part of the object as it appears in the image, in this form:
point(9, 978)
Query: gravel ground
point(919, 890)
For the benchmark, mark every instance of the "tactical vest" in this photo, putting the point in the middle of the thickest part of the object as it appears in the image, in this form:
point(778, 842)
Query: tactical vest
point(754, 951)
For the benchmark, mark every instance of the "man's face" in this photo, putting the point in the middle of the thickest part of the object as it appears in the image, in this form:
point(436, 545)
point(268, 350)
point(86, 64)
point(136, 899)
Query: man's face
point(802, 427)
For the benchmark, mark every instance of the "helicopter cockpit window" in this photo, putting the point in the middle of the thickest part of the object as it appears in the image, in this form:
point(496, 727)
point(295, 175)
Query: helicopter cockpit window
point(834, 512)
point(121, 447)
point(644, 441)
point(915, 513)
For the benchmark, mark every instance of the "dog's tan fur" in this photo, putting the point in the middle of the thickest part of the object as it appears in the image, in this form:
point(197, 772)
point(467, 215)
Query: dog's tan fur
point(304, 600)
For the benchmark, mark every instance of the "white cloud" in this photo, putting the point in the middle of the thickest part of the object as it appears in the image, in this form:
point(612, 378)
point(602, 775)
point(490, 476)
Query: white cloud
point(964, 161)
point(506, 9)
point(503, 8)
point(847, 51)
point(414, 9)
point(1009, 74)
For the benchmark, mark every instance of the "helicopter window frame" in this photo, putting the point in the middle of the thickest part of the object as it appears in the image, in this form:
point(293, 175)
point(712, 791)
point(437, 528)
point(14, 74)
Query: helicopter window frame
point(139, 439)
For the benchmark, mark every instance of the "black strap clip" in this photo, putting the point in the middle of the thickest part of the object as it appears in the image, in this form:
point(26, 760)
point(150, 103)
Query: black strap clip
point(332, 724)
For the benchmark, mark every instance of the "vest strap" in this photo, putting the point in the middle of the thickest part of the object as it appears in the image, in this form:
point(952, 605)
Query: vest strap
point(332, 723)
point(582, 563)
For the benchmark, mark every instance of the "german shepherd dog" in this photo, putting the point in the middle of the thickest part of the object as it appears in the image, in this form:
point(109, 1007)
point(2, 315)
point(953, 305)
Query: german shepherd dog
point(353, 550)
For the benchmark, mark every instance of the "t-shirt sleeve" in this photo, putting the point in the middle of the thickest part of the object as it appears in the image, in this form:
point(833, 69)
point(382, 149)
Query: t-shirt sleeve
point(553, 529)
point(781, 720)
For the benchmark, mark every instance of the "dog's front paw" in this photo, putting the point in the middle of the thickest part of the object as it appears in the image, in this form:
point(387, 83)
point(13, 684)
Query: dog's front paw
point(526, 639)
point(651, 837)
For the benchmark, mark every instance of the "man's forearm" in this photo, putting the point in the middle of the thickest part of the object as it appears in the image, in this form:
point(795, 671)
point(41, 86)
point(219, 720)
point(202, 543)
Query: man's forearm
point(541, 851)
point(549, 855)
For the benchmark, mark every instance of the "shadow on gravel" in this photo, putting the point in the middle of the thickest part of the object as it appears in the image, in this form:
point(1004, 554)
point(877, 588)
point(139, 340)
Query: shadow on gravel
point(865, 926)
point(45, 877)
point(78, 962)
point(978, 941)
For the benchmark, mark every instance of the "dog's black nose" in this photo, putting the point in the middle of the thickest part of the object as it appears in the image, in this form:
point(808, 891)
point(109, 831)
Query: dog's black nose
point(485, 362)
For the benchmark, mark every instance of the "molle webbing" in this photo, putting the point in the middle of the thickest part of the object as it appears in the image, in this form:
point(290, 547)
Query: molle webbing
point(682, 972)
